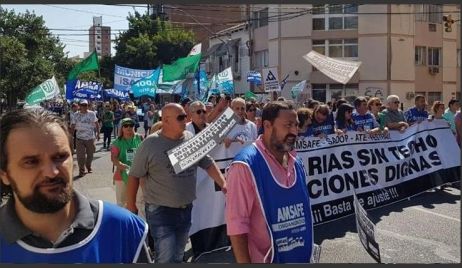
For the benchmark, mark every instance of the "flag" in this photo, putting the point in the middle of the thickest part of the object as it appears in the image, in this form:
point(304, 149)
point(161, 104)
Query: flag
point(203, 83)
point(180, 68)
point(224, 81)
point(250, 95)
point(146, 86)
point(297, 89)
point(254, 77)
point(45, 91)
point(196, 50)
point(284, 81)
point(89, 64)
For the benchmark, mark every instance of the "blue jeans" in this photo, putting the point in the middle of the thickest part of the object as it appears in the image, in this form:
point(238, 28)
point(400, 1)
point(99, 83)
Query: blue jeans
point(169, 230)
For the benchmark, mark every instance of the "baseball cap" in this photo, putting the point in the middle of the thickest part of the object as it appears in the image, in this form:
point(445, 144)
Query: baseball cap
point(83, 102)
point(126, 121)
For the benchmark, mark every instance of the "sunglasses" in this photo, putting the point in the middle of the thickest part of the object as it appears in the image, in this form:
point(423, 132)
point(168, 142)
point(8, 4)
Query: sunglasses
point(396, 102)
point(251, 110)
point(199, 112)
point(128, 125)
point(377, 104)
point(181, 117)
point(83, 104)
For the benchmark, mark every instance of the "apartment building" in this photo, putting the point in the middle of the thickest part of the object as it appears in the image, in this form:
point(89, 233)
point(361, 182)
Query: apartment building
point(100, 37)
point(404, 48)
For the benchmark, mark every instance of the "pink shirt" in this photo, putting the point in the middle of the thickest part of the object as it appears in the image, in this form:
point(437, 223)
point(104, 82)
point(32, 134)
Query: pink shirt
point(243, 212)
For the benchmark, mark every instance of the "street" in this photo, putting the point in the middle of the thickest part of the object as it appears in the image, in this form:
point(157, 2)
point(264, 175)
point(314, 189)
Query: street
point(424, 229)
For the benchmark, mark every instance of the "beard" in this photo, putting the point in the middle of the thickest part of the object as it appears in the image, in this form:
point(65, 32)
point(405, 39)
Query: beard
point(286, 145)
point(39, 202)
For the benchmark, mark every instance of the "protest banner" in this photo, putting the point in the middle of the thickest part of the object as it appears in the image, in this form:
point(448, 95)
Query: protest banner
point(339, 70)
point(188, 153)
point(116, 94)
point(125, 77)
point(83, 89)
point(382, 169)
point(366, 230)
point(271, 80)
point(208, 227)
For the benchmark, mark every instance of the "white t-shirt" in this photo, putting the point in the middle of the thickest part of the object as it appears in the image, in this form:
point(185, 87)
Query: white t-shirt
point(245, 132)
point(85, 125)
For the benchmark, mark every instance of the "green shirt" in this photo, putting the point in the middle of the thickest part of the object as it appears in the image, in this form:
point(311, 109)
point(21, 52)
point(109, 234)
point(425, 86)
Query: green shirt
point(108, 119)
point(127, 149)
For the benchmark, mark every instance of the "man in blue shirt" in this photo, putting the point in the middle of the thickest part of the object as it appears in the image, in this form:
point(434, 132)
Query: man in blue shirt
point(44, 220)
point(417, 113)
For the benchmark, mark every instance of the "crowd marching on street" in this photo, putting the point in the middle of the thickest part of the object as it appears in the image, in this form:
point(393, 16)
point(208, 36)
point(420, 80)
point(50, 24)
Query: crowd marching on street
point(143, 172)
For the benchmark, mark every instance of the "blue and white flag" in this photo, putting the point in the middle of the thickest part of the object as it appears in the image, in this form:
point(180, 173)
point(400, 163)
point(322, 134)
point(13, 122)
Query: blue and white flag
point(146, 86)
point(284, 81)
point(297, 89)
point(203, 84)
point(254, 77)
point(223, 82)
point(166, 87)
point(125, 77)
point(116, 94)
point(83, 89)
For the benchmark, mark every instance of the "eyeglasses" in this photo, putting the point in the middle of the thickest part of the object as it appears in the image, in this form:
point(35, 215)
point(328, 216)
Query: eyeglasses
point(181, 117)
point(199, 112)
point(128, 125)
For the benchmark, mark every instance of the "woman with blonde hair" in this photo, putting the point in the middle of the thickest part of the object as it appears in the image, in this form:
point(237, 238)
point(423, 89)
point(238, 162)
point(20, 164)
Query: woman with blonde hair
point(437, 110)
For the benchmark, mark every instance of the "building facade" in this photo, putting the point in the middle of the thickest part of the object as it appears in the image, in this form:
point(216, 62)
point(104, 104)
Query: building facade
point(99, 37)
point(404, 48)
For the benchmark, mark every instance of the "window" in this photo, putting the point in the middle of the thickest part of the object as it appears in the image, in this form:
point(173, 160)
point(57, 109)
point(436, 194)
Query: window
point(236, 59)
point(434, 56)
point(429, 13)
point(420, 55)
point(261, 18)
point(335, 17)
point(319, 92)
point(337, 48)
point(262, 59)
point(432, 97)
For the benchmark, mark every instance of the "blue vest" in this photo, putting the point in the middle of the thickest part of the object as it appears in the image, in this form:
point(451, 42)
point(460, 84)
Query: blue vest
point(287, 211)
point(413, 115)
point(118, 237)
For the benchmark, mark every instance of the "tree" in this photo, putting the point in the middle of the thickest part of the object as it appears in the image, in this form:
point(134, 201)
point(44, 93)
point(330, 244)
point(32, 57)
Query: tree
point(29, 54)
point(150, 42)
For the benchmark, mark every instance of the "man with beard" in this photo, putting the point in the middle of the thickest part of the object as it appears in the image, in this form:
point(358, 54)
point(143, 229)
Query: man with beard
point(44, 220)
point(267, 194)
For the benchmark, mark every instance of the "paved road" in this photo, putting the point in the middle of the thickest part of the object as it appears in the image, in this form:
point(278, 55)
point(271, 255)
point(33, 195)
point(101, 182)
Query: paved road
point(424, 229)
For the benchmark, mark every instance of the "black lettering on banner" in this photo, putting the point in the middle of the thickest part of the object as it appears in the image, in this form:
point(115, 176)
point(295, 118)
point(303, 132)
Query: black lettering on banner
point(366, 230)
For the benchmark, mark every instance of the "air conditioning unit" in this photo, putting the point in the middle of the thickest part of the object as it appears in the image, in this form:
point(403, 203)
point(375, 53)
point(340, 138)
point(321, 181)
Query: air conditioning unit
point(410, 95)
point(433, 70)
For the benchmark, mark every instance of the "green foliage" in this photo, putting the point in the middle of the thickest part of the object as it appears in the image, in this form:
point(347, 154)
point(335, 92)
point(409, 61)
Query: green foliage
point(149, 43)
point(29, 54)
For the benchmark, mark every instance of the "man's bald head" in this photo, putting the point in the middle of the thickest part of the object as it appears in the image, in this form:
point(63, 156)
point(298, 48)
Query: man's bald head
point(171, 109)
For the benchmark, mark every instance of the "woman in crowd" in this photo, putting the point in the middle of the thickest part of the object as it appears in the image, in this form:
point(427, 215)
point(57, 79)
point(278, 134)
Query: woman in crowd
point(107, 120)
point(304, 118)
point(251, 111)
point(122, 153)
point(437, 110)
point(322, 122)
point(343, 120)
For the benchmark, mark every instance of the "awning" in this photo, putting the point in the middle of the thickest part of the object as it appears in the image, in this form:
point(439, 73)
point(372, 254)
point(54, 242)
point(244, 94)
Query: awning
point(221, 49)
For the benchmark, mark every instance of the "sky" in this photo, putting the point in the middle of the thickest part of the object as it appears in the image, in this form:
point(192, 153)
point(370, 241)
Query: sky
point(79, 17)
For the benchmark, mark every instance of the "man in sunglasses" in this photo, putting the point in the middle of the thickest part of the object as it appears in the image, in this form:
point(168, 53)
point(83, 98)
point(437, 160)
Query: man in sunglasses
point(85, 123)
point(392, 116)
point(168, 196)
point(245, 130)
point(198, 115)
